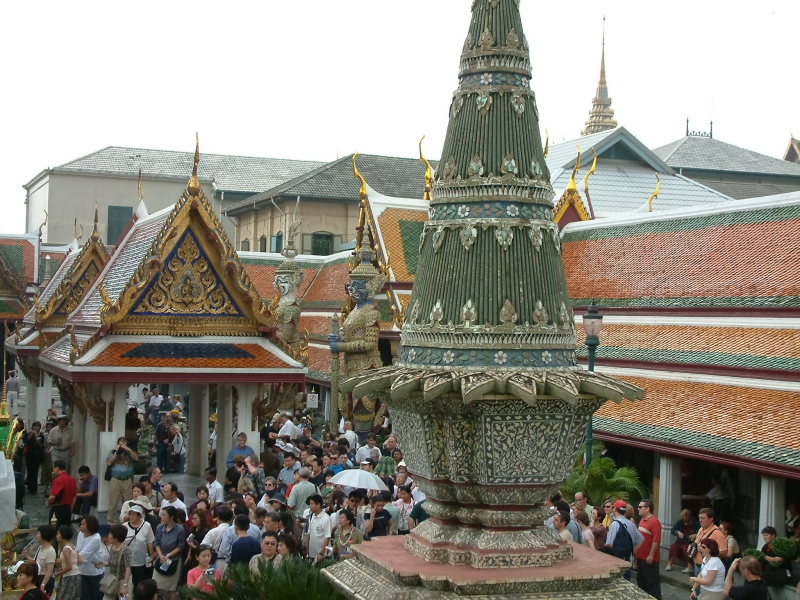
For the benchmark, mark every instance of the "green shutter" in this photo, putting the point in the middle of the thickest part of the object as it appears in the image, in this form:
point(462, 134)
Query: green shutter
point(118, 219)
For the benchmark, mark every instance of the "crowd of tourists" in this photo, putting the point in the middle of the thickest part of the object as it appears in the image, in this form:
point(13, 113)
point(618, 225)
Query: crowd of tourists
point(708, 549)
point(281, 504)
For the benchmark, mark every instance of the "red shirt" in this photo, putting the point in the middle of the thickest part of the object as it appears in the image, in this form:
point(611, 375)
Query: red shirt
point(650, 528)
point(64, 489)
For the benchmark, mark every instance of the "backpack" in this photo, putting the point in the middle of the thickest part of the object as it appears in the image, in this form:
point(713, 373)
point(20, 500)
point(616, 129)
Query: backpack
point(623, 544)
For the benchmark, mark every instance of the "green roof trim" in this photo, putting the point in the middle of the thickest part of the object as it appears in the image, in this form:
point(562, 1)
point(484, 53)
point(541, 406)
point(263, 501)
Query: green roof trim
point(410, 232)
point(724, 359)
point(701, 441)
point(726, 219)
point(714, 302)
point(15, 258)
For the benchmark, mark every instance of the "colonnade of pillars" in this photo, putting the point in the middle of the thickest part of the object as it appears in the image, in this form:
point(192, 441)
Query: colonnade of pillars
point(93, 443)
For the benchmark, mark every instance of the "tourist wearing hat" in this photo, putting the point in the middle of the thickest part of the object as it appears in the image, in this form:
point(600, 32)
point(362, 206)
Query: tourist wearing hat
point(61, 441)
point(621, 521)
point(278, 502)
point(137, 497)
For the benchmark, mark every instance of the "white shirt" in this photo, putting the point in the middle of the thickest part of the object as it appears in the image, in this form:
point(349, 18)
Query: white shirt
point(214, 536)
point(177, 444)
point(351, 437)
point(155, 401)
point(289, 429)
point(319, 528)
point(215, 492)
point(363, 453)
point(138, 545)
point(713, 563)
point(90, 550)
point(176, 503)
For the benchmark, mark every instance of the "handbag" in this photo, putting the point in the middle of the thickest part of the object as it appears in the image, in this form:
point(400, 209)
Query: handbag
point(107, 475)
point(109, 584)
point(171, 568)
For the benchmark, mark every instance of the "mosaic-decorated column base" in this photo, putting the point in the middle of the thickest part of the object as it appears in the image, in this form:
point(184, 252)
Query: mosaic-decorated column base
point(383, 568)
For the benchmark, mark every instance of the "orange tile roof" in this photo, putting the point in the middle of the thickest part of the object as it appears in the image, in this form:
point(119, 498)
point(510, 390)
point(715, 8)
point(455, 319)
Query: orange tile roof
point(733, 340)
point(263, 278)
point(260, 358)
point(394, 242)
point(746, 259)
point(319, 363)
point(329, 285)
point(746, 414)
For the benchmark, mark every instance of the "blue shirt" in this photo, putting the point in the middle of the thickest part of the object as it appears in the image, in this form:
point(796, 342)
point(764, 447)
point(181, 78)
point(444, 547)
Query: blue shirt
point(243, 549)
point(243, 452)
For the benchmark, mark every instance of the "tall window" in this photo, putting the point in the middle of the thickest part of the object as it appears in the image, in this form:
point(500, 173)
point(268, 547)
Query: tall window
point(262, 243)
point(321, 243)
point(118, 219)
point(245, 246)
point(277, 242)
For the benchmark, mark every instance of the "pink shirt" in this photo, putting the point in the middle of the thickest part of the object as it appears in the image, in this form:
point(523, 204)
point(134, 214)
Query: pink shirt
point(194, 574)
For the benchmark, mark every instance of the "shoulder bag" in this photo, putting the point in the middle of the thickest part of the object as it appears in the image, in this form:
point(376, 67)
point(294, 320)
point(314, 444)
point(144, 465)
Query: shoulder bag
point(109, 584)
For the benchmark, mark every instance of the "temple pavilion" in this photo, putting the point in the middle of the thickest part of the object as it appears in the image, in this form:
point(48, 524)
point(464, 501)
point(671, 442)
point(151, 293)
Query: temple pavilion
point(170, 304)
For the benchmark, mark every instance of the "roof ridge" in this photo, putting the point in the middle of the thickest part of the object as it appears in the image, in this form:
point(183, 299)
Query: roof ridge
point(273, 191)
point(181, 152)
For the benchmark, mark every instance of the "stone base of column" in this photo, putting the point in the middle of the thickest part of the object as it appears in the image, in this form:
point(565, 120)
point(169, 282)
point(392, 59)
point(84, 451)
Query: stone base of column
point(483, 548)
point(384, 568)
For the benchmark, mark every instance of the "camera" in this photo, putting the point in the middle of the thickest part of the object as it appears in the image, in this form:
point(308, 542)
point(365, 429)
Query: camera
point(210, 571)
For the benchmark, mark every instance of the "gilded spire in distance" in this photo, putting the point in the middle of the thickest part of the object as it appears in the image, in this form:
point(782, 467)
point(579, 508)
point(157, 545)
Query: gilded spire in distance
point(601, 117)
point(194, 182)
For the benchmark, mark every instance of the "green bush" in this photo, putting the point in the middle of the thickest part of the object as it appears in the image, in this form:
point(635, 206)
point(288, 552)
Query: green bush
point(754, 552)
point(292, 580)
point(784, 547)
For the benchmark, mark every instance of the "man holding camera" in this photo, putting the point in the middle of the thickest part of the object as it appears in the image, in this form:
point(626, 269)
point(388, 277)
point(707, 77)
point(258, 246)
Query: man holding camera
point(120, 486)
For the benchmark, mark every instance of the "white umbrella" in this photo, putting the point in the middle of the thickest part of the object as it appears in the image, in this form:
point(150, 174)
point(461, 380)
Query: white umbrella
point(359, 478)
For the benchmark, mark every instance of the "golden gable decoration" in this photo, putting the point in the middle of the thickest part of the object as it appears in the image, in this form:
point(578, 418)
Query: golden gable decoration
point(190, 282)
point(82, 274)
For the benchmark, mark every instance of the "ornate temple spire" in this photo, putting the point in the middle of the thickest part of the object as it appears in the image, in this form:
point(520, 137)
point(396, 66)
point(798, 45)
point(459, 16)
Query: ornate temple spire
point(490, 273)
point(601, 117)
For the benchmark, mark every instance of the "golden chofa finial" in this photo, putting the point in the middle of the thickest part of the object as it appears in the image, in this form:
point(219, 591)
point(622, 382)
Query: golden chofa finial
point(427, 194)
point(362, 213)
point(194, 183)
point(546, 143)
point(654, 195)
point(75, 226)
point(139, 189)
point(591, 171)
point(572, 185)
point(95, 232)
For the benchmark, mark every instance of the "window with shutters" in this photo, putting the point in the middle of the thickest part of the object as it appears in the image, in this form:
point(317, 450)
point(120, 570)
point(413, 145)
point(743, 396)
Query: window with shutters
point(262, 243)
point(277, 242)
point(118, 219)
point(244, 246)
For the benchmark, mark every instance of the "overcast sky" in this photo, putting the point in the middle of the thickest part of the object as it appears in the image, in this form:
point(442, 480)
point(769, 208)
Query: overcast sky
point(317, 79)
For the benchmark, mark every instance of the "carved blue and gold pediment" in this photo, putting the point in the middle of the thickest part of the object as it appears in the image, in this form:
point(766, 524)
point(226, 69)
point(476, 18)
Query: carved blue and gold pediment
point(190, 281)
point(188, 285)
point(82, 274)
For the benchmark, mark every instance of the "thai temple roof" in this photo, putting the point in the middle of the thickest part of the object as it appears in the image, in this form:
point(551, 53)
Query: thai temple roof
point(173, 299)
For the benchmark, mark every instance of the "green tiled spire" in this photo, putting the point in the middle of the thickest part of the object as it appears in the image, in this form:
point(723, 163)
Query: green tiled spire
point(490, 289)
